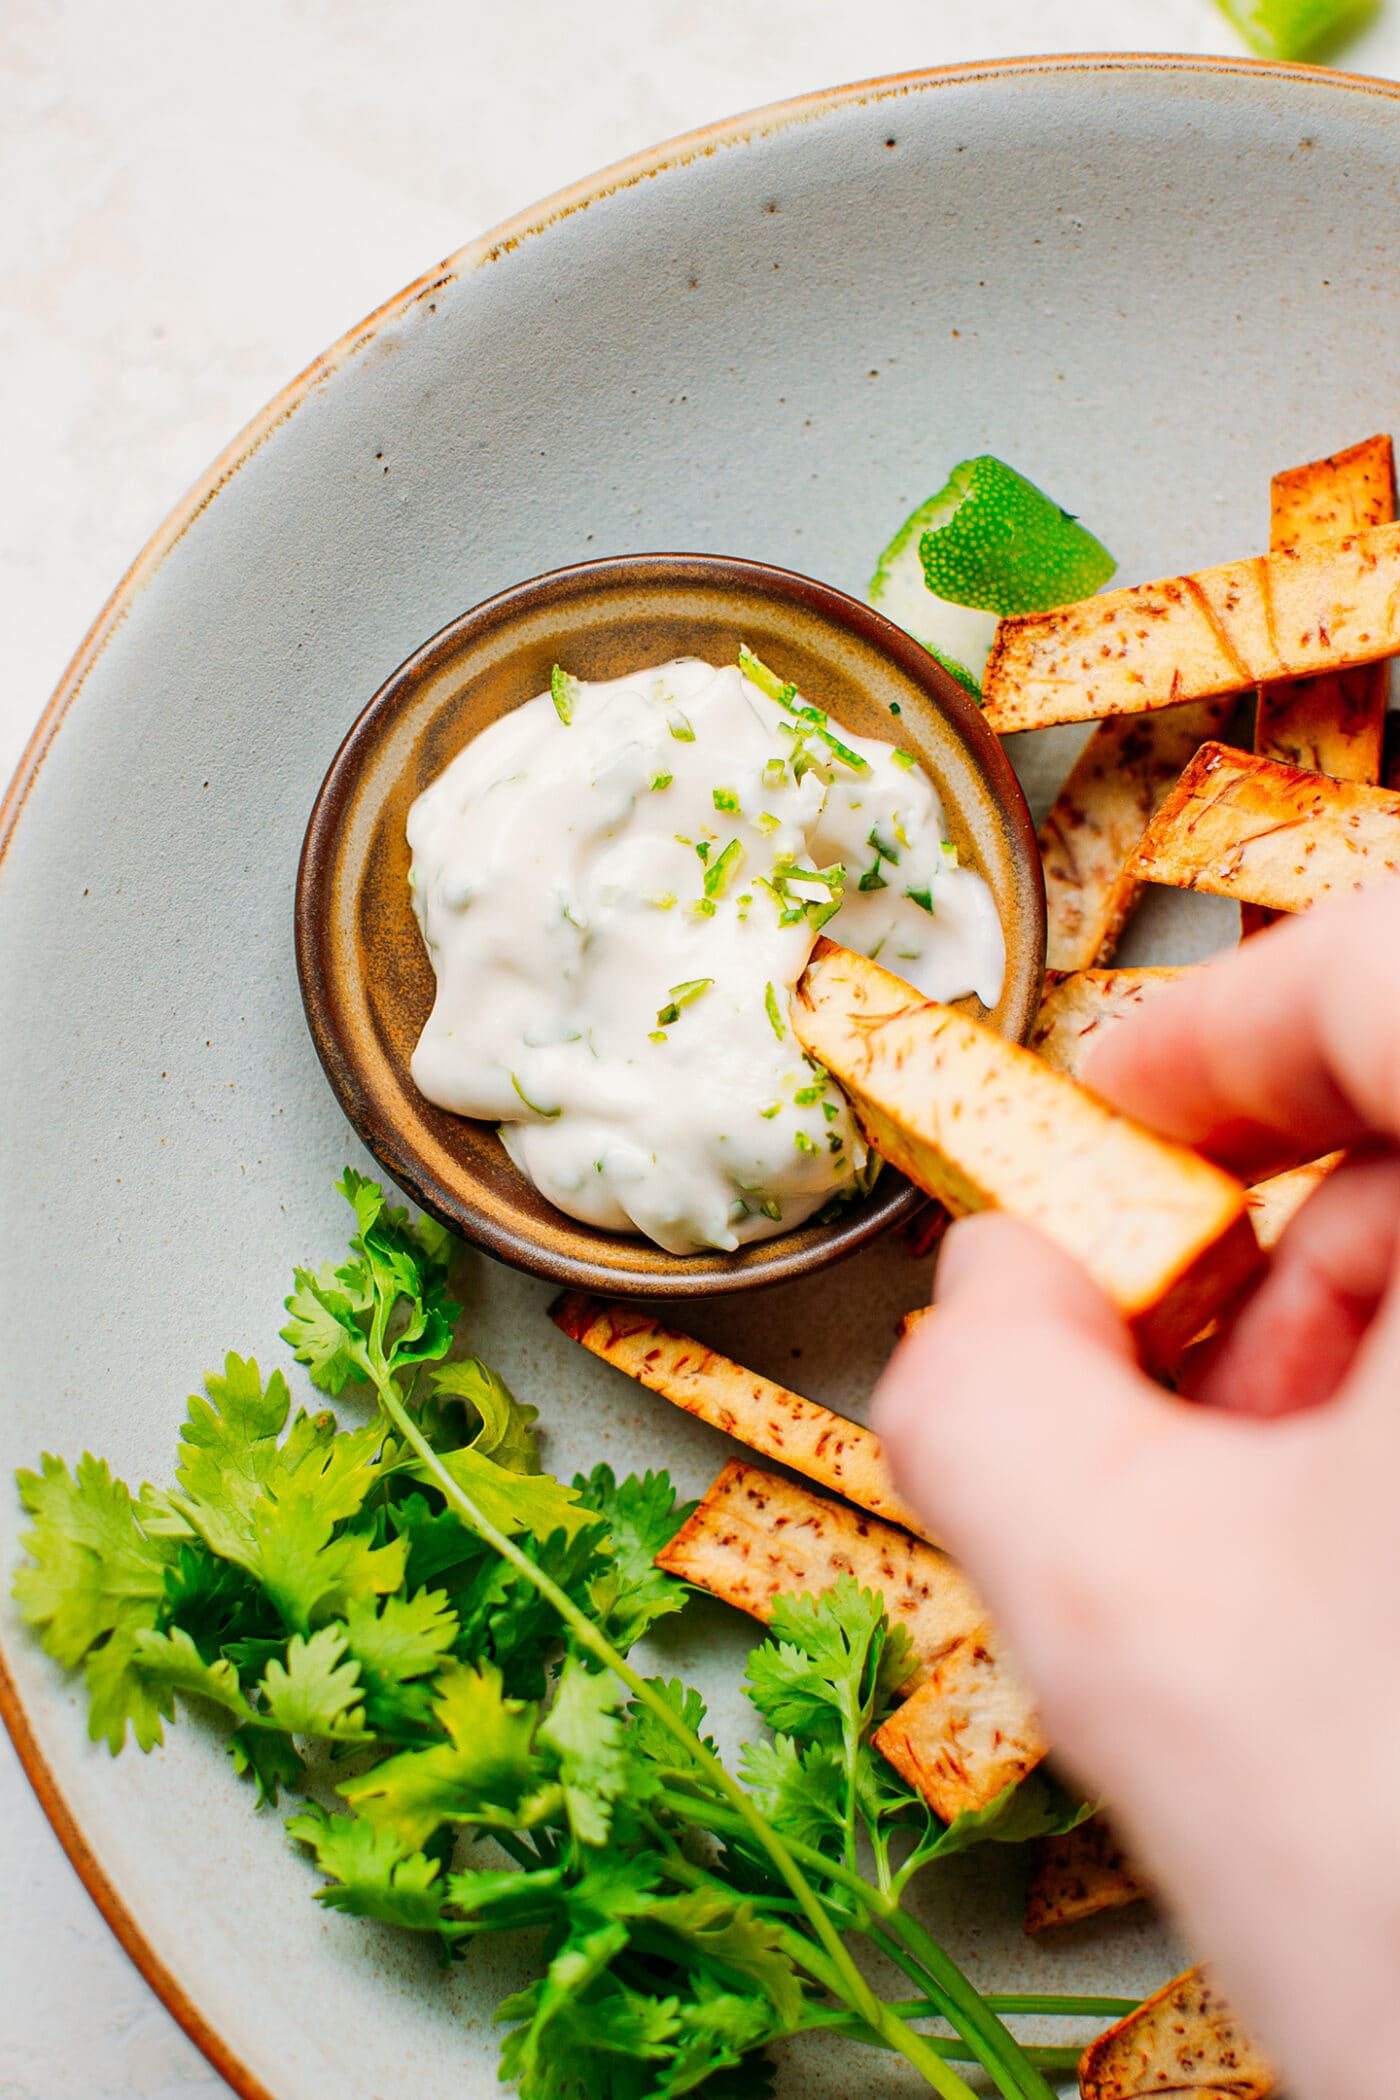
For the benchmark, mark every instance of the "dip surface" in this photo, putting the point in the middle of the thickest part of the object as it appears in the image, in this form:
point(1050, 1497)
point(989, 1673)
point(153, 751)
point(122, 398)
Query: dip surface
point(619, 885)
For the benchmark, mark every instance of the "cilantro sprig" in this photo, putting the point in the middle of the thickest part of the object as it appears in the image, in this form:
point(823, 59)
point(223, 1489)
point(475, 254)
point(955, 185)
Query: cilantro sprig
point(415, 1593)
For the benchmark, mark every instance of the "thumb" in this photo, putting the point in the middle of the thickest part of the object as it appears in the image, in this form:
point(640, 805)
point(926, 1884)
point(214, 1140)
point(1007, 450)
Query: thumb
point(1014, 1407)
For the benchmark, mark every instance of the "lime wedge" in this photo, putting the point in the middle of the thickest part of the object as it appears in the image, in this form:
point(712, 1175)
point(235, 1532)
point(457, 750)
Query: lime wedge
point(1007, 547)
point(1297, 28)
point(989, 543)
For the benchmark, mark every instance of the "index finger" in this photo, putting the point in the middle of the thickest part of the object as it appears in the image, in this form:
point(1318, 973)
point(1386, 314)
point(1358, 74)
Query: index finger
point(1286, 1048)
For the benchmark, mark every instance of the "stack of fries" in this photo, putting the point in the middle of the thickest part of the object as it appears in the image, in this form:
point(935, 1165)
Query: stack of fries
point(977, 1122)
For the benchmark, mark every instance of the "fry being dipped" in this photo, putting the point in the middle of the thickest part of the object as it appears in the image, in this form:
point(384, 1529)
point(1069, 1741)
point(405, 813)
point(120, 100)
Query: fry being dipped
point(983, 1124)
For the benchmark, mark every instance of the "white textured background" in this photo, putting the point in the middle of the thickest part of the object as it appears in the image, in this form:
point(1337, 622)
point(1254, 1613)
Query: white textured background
point(197, 200)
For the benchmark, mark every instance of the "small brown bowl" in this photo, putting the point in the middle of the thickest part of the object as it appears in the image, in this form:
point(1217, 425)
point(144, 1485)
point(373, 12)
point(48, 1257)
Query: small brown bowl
point(366, 981)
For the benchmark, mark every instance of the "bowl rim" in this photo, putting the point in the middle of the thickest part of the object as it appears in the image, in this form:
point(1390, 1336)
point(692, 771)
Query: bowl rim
point(787, 1255)
point(472, 256)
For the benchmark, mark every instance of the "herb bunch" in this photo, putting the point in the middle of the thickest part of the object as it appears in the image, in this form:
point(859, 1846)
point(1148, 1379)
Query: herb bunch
point(412, 1626)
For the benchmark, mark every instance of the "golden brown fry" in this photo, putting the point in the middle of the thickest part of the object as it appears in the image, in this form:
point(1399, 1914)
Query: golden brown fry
point(1184, 2040)
point(1079, 1004)
point(1120, 779)
point(1326, 499)
point(1242, 826)
point(1334, 723)
point(838, 1454)
point(756, 1536)
point(1281, 615)
point(982, 1123)
point(968, 1732)
point(1078, 1875)
point(1276, 1202)
point(971, 1727)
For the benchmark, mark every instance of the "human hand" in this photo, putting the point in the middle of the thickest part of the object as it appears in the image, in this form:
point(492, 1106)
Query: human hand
point(1207, 1598)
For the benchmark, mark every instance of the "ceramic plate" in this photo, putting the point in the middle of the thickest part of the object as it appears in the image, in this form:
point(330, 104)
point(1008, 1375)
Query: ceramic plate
point(1147, 283)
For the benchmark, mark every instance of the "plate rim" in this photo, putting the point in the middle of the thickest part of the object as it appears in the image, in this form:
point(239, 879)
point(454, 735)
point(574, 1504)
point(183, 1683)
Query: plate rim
point(672, 154)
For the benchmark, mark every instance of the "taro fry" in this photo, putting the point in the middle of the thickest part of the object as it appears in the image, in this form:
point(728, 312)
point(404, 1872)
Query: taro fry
point(1287, 614)
point(1333, 723)
point(1184, 2040)
point(836, 1453)
point(967, 1727)
point(983, 1123)
point(1242, 826)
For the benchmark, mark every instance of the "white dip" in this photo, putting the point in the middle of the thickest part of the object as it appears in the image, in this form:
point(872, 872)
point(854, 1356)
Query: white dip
point(616, 910)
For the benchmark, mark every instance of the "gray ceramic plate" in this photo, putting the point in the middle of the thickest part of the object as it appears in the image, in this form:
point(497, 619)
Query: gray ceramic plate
point(1148, 283)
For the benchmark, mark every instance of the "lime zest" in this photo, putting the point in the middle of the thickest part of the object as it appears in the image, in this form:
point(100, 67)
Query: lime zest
point(681, 995)
point(774, 1013)
point(717, 876)
point(563, 691)
point(549, 1114)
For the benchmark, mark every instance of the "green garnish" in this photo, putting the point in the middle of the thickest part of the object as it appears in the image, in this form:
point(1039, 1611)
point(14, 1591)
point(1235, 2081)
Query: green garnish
point(656, 1035)
point(808, 1096)
point(717, 877)
point(680, 727)
point(831, 1110)
point(682, 995)
point(563, 691)
point(549, 1114)
point(661, 780)
point(758, 673)
point(803, 1143)
point(703, 849)
point(816, 718)
point(767, 823)
point(774, 1013)
point(702, 907)
point(416, 1593)
point(775, 774)
point(923, 898)
point(949, 852)
point(771, 1208)
point(725, 799)
point(872, 879)
point(662, 899)
point(902, 759)
point(1297, 28)
point(773, 1109)
point(882, 850)
point(988, 544)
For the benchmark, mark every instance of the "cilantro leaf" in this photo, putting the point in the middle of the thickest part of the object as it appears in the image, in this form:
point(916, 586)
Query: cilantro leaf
point(486, 1772)
point(371, 1874)
point(516, 1502)
point(506, 1433)
point(1040, 1805)
point(268, 1758)
point(798, 1787)
point(323, 1315)
point(723, 1933)
point(92, 1567)
point(651, 1740)
point(94, 1581)
point(397, 1641)
point(642, 1515)
point(170, 1662)
point(316, 1691)
point(584, 1731)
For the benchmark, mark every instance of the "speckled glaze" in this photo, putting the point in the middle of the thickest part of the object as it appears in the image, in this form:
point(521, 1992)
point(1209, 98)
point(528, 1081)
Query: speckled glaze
point(366, 980)
point(1148, 283)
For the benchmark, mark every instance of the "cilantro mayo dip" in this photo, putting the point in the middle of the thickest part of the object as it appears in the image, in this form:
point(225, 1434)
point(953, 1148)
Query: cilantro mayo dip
point(619, 885)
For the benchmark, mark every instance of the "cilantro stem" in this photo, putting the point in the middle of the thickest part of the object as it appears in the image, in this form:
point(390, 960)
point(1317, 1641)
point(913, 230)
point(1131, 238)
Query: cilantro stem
point(919, 1955)
point(849, 1983)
